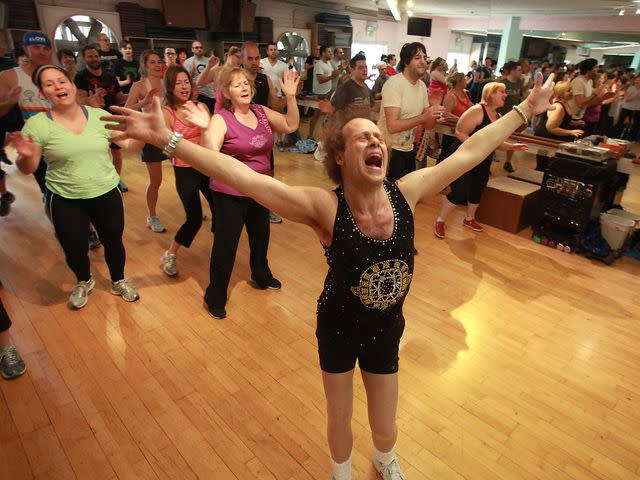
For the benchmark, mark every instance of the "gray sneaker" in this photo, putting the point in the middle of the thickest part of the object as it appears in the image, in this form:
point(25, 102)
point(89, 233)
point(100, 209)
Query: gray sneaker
point(169, 262)
point(80, 293)
point(125, 290)
point(392, 471)
point(154, 224)
point(11, 364)
point(273, 218)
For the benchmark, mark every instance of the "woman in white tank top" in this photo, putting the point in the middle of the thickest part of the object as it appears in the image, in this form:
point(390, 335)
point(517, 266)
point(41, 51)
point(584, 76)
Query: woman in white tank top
point(141, 94)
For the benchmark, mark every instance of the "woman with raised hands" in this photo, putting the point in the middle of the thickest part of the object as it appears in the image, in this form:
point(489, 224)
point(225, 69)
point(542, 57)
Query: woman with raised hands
point(81, 181)
point(467, 190)
point(149, 86)
point(190, 183)
point(366, 229)
point(243, 130)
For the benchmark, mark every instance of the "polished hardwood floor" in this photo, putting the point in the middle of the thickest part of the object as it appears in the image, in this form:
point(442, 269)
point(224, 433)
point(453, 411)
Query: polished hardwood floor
point(518, 361)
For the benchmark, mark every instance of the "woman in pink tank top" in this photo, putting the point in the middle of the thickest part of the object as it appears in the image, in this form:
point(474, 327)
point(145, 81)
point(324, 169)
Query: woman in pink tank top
point(189, 182)
point(243, 130)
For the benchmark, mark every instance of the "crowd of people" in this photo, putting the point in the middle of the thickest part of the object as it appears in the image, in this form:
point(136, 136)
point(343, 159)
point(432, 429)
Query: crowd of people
point(219, 120)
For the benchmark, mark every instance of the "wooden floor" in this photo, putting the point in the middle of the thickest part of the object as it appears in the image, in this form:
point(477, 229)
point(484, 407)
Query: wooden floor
point(518, 361)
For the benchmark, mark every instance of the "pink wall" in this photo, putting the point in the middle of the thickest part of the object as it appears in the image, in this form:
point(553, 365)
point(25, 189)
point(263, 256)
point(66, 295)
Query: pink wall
point(476, 23)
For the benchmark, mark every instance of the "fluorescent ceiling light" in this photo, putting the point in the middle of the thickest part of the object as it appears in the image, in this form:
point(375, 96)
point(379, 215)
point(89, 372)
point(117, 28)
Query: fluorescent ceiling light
point(393, 6)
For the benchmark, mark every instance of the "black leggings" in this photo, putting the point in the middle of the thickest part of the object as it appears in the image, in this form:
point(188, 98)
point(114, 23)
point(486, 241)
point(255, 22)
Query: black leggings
point(469, 187)
point(232, 213)
point(189, 184)
point(5, 321)
point(71, 218)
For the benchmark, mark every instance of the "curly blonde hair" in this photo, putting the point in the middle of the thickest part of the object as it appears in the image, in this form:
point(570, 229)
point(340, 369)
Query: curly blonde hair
point(225, 77)
point(489, 89)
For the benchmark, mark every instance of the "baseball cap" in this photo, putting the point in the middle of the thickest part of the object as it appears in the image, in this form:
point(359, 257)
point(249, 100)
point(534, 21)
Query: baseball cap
point(36, 38)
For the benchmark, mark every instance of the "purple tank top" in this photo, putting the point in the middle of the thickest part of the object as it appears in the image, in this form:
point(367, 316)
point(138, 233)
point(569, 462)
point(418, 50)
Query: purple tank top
point(250, 146)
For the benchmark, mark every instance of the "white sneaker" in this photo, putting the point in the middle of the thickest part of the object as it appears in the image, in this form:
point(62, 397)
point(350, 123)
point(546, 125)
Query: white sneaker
point(169, 262)
point(80, 293)
point(391, 471)
point(153, 223)
point(125, 290)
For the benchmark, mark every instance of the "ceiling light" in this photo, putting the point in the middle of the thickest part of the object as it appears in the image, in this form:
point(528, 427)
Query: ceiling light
point(562, 34)
point(638, 11)
point(410, 13)
point(393, 7)
point(621, 12)
point(410, 3)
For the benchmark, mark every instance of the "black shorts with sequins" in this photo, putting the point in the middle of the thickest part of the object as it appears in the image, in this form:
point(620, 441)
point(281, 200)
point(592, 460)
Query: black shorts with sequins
point(376, 351)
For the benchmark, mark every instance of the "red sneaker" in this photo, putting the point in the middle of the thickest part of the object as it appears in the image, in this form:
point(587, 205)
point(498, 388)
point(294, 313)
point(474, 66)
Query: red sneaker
point(438, 229)
point(473, 225)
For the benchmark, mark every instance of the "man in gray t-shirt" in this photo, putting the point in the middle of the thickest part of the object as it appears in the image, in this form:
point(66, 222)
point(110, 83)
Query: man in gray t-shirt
point(354, 95)
point(195, 66)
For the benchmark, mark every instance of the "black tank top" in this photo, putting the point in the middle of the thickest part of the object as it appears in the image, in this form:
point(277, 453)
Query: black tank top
point(541, 128)
point(368, 279)
point(486, 120)
point(262, 90)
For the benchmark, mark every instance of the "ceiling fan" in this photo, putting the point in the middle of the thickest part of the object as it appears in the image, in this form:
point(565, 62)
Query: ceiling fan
point(293, 46)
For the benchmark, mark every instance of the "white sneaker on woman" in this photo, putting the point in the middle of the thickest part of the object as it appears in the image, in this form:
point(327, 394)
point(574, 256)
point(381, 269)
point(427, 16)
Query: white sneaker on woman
point(169, 262)
point(80, 293)
point(153, 223)
point(125, 290)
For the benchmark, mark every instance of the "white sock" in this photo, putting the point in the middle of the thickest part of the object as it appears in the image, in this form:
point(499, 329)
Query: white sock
point(440, 219)
point(342, 471)
point(384, 458)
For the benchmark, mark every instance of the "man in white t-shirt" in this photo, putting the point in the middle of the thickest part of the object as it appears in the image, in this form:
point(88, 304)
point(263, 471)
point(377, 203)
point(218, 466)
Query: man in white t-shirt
point(195, 65)
point(584, 94)
point(274, 68)
point(323, 74)
point(405, 106)
point(336, 61)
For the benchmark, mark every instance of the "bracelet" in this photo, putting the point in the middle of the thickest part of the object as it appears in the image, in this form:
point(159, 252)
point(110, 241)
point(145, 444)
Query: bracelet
point(172, 144)
point(525, 120)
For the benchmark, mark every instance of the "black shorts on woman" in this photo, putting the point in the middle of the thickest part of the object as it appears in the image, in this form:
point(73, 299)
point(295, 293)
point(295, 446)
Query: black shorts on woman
point(360, 309)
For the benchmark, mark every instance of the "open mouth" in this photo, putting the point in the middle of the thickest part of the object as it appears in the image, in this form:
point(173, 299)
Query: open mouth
point(62, 95)
point(373, 160)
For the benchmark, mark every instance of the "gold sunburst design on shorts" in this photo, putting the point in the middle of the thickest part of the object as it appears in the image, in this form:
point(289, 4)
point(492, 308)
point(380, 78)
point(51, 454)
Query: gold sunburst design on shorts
point(383, 284)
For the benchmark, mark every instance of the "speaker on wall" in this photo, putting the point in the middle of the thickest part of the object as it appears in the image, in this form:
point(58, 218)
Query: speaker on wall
point(420, 27)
